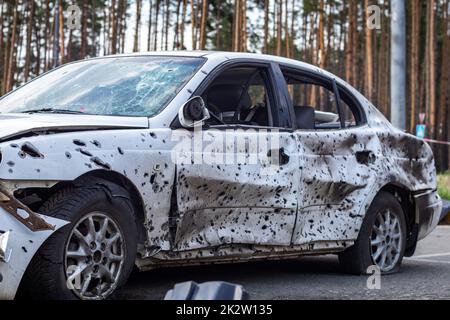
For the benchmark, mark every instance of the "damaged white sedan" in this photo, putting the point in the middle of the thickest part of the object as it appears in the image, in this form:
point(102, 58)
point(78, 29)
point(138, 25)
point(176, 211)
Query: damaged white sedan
point(165, 159)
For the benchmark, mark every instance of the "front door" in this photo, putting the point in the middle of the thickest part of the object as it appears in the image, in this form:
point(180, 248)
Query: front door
point(241, 184)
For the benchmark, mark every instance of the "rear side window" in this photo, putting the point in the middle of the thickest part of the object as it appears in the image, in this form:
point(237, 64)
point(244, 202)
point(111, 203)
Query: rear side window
point(316, 106)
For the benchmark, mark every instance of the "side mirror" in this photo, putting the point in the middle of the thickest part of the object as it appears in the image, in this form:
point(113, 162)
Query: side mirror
point(193, 112)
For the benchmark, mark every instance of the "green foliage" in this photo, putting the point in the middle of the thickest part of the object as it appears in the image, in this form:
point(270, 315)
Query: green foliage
point(444, 185)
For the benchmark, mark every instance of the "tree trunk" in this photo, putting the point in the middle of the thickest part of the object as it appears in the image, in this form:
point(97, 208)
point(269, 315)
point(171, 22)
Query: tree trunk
point(431, 71)
point(28, 52)
point(444, 104)
point(349, 50)
point(236, 20)
point(113, 19)
point(61, 33)
point(243, 43)
point(279, 26)
point(368, 83)
point(322, 34)
point(47, 34)
point(166, 26)
point(137, 26)
point(266, 26)
point(194, 25)
point(11, 55)
point(176, 37)
point(7, 50)
point(84, 36)
point(204, 18)
point(2, 67)
point(183, 23)
point(286, 30)
point(218, 22)
point(155, 35)
point(149, 34)
point(414, 64)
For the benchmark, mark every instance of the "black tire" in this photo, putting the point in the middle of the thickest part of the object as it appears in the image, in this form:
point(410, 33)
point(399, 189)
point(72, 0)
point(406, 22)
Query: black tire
point(357, 259)
point(45, 277)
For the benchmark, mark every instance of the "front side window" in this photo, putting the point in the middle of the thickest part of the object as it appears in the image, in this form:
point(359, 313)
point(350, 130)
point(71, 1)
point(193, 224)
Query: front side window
point(128, 86)
point(241, 96)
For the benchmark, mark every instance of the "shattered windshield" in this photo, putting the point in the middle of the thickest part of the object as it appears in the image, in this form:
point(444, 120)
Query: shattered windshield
point(129, 86)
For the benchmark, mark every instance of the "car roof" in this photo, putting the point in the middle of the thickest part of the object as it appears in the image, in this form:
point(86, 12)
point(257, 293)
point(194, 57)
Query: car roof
point(216, 54)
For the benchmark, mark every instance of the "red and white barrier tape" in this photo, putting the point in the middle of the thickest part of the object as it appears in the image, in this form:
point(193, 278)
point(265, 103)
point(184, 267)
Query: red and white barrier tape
point(437, 141)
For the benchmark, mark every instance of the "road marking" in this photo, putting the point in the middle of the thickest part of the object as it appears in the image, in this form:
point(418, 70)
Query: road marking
point(427, 260)
point(432, 255)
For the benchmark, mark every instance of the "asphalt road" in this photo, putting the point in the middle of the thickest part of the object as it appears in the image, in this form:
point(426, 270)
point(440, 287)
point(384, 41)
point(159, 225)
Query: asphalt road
point(424, 276)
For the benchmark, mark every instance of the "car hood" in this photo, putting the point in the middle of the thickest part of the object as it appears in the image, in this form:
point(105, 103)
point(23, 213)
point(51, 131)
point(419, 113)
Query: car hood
point(14, 125)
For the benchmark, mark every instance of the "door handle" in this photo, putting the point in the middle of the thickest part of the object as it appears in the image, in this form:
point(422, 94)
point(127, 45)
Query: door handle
point(365, 157)
point(283, 158)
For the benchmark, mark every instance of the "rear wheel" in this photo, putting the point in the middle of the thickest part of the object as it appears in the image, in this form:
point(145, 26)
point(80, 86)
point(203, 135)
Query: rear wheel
point(91, 256)
point(381, 240)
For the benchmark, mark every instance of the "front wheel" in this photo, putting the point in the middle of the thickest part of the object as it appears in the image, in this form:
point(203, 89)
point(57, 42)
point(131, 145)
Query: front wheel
point(382, 238)
point(91, 256)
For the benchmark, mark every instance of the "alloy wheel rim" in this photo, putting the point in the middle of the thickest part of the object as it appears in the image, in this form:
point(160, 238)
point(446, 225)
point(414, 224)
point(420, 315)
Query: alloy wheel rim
point(94, 256)
point(386, 240)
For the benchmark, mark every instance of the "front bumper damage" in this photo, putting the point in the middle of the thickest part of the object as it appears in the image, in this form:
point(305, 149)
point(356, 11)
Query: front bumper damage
point(22, 232)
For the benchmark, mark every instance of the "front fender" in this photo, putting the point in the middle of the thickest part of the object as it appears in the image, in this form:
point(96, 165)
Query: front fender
point(143, 156)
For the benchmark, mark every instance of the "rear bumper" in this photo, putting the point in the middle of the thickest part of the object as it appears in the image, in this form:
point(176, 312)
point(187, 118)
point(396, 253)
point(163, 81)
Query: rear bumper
point(428, 212)
point(18, 245)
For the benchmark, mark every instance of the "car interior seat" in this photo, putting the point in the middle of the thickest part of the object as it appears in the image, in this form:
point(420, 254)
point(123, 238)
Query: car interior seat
point(305, 118)
point(225, 100)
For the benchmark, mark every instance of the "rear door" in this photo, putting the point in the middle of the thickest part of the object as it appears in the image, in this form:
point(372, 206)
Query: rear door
point(336, 151)
point(243, 187)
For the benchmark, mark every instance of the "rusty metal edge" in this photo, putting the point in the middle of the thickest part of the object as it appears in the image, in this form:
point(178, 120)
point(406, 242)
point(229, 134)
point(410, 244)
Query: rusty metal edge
point(34, 221)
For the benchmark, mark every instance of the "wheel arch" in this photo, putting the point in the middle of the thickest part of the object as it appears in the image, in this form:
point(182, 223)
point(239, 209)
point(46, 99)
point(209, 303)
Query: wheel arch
point(108, 178)
point(405, 197)
point(125, 183)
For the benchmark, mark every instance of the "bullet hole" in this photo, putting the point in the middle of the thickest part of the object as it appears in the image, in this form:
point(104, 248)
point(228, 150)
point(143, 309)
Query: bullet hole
point(14, 145)
point(153, 135)
point(10, 163)
point(24, 249)
point(120, 150)
point(21, 154)
point(31, 150)
point(84, 152)
point(152, 178)
point(68, 155)
point(96, 143)
point(99, 162)
point(79, 143)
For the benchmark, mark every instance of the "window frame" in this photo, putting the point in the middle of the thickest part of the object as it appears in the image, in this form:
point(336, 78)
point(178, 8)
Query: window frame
point(272, 88)
point(331, 84)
